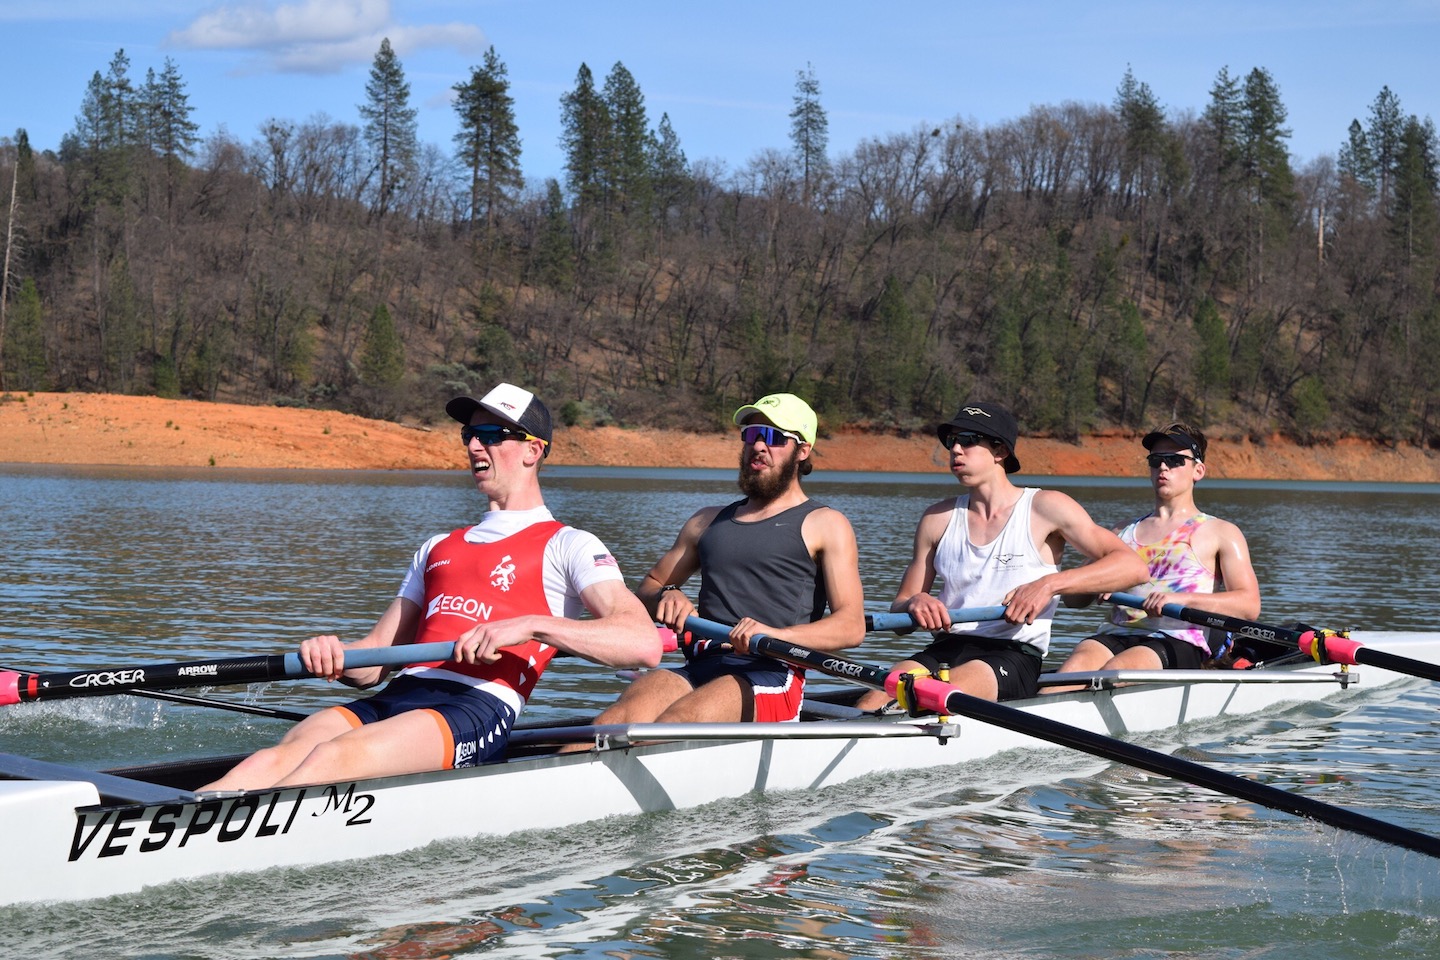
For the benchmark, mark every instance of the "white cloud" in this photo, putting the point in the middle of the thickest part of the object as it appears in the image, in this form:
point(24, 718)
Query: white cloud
point(318, 36)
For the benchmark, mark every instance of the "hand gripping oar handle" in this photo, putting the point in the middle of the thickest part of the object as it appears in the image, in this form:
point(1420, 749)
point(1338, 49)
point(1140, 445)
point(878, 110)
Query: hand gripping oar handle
point(904, 622)
point(937, 697)
point(1265, 633)
point(18, 687)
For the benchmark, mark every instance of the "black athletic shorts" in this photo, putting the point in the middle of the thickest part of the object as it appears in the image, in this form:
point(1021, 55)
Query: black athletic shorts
point(1016, 665)
point(1174, 654)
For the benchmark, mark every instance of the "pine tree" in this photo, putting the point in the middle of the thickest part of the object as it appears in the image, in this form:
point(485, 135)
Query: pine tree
point(488, 143)
point(171, 132)
point(553, 258)
point(809, 130)
point(1413, 214)
point(1264, 163)
point(1212, 362)
point(669, 171)
point(25, 366)
point(389, 124)
point(584, 135)
point(1222, 118)
point(1387, 125)
point(382, 353)
point(626, 168)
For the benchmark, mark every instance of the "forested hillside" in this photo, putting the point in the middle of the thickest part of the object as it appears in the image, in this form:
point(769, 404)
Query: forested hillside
point(1092, 265)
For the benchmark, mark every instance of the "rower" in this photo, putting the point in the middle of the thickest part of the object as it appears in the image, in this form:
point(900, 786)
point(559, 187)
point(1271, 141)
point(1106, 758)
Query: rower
point(1194, 560)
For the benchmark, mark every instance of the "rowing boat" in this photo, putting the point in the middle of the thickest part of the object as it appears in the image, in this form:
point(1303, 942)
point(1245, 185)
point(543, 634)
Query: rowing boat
point(74, 834)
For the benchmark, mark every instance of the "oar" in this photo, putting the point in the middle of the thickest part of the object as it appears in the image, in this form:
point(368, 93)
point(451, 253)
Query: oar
point(1327, 647)
point(18, 687)
point(1279, 637)
point(193, 701)
point(934, 696)
point(904, 622)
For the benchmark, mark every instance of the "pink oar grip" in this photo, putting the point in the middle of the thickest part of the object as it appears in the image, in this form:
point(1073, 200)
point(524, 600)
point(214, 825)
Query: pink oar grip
point(668, 641)
point(9, 687)
point(1342, 649)
point(930, 693)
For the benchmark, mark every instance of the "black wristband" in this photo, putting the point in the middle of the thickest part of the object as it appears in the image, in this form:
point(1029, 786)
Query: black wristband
point(669, 586)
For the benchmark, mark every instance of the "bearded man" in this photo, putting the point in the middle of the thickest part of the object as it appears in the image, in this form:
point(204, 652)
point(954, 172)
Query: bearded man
point(769, 564)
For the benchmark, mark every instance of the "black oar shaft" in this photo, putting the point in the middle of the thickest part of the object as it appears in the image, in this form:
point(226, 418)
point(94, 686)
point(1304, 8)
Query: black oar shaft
point(948, 700)
point(1397, 664)
point(27, 687)
point(191, 673)
point(1265, 633)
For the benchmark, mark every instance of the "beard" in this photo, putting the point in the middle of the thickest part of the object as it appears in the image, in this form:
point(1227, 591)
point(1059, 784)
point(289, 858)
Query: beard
point(765, 487)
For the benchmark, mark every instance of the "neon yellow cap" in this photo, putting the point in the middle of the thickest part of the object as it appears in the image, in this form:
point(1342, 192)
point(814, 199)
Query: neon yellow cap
point(786, 411)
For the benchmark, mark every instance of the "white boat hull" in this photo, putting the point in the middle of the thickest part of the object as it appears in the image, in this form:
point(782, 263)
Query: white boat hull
point(64, 844)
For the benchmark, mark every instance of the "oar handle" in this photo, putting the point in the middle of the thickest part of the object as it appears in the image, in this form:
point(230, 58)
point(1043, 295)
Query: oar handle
point(1236, 625)
point(901, 622)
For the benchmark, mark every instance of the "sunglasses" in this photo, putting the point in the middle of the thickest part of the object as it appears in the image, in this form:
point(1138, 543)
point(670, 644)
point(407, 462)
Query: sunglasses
point(1171, 460)
point(950, 438)
point(490, 434)
point(772, 436)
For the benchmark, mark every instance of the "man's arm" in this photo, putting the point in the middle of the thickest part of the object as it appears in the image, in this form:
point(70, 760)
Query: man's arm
point(619, 635)
point(679, 564)
point(324, 656)
point(831, 540)
point(1059, 520)
point(913, 596)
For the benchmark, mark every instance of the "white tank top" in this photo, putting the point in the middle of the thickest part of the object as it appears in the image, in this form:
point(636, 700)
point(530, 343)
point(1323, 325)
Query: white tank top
point(981, 576)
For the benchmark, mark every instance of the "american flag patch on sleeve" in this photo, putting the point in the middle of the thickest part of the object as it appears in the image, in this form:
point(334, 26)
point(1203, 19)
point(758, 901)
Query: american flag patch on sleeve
point(605, 560)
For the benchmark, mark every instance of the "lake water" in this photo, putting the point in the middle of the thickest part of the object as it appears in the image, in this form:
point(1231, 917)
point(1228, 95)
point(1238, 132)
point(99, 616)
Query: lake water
point(1059, 856)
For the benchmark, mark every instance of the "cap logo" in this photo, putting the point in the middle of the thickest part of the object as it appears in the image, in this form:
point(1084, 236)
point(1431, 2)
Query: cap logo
point(974, 411)
point(507, 406)
point(770, 402)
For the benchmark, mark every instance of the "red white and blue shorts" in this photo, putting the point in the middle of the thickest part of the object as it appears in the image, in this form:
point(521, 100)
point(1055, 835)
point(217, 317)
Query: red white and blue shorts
point(771, 690)
point(473, 724)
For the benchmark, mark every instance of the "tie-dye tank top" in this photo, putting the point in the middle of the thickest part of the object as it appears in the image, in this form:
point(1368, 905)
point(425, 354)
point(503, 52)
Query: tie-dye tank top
point(1174, 568)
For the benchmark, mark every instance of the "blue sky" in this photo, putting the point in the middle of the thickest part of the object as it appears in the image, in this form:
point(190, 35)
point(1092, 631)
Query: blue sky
point(725, 72)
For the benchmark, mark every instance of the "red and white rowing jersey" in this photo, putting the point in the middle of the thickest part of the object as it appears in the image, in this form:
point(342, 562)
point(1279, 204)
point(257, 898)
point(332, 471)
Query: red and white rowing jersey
point(512, 563)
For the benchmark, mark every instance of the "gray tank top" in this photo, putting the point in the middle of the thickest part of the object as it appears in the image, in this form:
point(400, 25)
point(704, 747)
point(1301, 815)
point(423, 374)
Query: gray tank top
point(760, 569)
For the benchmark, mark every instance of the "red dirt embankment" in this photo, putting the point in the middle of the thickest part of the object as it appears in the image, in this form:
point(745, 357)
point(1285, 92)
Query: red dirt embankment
point(85, 428)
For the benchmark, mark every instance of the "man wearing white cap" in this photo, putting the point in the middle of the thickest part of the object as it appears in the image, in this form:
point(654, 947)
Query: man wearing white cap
point(770, 564)
point(508, 591)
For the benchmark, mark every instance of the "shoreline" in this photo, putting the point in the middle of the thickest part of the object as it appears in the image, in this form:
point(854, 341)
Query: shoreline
point(111, 429)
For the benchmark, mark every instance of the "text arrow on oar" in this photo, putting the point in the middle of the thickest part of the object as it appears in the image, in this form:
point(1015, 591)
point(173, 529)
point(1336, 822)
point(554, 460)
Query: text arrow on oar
point(902, 622)
point(1326, 647)
point(938, 697)
point(18, 687)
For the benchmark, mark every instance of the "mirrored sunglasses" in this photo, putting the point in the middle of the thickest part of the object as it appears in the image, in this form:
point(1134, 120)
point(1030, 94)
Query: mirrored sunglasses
point(772, 436)
point(490, 434)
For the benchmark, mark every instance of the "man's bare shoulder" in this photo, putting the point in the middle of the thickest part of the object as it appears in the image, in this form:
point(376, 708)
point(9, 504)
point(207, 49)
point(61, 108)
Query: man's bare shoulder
point(1056, 505)
point(827, 520)
point(1219, 532)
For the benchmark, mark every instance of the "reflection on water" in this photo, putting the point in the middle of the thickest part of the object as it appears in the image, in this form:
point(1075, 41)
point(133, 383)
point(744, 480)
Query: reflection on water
point(1053, 856)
